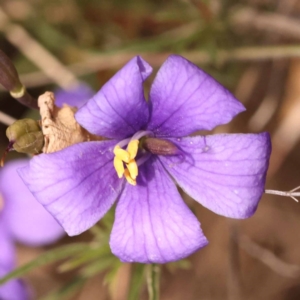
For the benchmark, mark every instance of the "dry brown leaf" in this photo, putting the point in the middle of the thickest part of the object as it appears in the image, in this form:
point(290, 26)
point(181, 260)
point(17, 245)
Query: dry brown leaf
point(59, 126)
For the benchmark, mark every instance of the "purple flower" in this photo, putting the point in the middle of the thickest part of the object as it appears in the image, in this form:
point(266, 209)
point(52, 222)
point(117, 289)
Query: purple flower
point(24, 220)
point(14, 289)
point(75, 96)
point(225, 173)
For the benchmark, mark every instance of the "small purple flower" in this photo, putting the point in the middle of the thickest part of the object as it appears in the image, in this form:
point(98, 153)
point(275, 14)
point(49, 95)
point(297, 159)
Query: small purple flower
point(225, 173)
point(24, 220)
point(75, 96)
point(14, 289)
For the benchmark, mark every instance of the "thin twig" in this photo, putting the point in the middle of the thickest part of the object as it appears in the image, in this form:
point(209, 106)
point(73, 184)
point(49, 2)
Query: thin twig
point(153, 278)
point(248, 82)
point(270, 102)
point(99, 62)
point(274, 23)
point(268, 258)
point(6, 119)
point(292, 193)
point(36, 53)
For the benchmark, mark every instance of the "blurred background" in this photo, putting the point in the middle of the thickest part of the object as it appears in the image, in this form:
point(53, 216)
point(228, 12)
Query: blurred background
point(253, 48)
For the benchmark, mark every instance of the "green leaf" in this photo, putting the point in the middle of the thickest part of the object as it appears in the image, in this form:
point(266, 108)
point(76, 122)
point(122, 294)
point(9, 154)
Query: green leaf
point(85, 257)
point(110, 276)
point(46, 258)
point(98, 266)
point(67, 290)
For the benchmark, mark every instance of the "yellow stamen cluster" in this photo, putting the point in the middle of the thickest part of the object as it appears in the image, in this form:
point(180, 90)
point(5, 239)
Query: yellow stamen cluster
point(124, 161)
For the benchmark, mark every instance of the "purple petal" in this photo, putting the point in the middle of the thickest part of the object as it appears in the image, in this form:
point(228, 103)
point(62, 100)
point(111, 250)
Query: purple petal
point(25, 219)
point(185, 99)
point(152, 223)
point(77, 185)
point(76, 96)
point(119, 109)
point(225, 173)
point(7, 249)
point(14, 289)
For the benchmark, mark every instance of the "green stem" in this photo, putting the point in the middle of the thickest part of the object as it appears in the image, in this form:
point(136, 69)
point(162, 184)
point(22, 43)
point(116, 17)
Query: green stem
point(153, 277)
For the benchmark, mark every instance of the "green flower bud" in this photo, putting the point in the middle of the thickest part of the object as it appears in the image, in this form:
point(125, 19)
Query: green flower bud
point(25, 136)
point(30, 143)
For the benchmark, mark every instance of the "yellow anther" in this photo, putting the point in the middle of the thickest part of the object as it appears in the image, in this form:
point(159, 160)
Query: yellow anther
point(119, 167)
point(128, 178)
point(130, 169)
point(133, 169)
point(132, 148)
point(121, 154)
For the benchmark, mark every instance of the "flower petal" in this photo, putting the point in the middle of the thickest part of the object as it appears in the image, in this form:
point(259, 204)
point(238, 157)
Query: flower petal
point(119, 109)
point(185, 99)
point(14, 289)
point(26, 220)
point(225, 173)
point(7, 252)
point(75, 96)
point(152, 223)
point(77, 185)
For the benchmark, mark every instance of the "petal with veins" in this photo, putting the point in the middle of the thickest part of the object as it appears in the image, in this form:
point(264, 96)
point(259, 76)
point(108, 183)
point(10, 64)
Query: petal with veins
point(77, 185)
point(225, 173)
point(184, 99)
point(119, 109)
point(152, 223)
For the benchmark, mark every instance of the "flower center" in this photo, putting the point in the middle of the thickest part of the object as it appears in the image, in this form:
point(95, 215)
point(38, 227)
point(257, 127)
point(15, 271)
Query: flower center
point(125, 160)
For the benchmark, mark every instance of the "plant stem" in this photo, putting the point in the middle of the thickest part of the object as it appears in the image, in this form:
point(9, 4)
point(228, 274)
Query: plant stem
point(6, 119)
point(153, 277)
point(292, 193)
